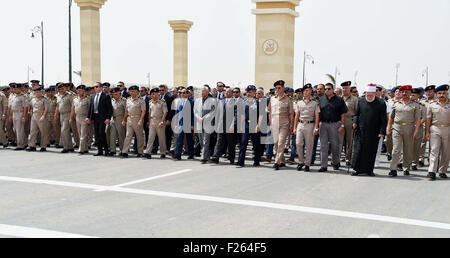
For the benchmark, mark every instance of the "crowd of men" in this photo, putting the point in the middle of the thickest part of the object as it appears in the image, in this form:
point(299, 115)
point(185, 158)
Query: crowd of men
point(282, 124)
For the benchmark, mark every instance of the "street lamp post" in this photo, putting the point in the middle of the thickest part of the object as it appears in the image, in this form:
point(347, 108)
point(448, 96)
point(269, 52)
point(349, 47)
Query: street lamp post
point(336, 73)
point(40, 29)
point(425, 74)
point(70, 40)
point(309, 57)
point(396, 74)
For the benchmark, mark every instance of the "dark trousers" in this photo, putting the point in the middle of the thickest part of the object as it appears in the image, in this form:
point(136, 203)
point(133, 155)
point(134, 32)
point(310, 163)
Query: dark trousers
point(100, 134)
point(256, 142)
point(180, 143)
point(314, 152)
point(169, 135)
point(225, 141)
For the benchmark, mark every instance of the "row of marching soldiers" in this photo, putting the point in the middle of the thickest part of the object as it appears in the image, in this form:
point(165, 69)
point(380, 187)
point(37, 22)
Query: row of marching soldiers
point(60, 115)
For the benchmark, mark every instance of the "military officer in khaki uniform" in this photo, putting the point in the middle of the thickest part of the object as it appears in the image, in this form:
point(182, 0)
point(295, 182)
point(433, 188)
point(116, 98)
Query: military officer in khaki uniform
point(117, 131)
point(281, 110)
point(352, 105)
point(80, 107)
point(18, 109)
point(3, 114)
point(134, 121)
point(26, 92)
point(306, 126)
point(430, 98)
point(404, 125)
point(156, 115)
point(418, 141)
point(438, 133)
point(39, 106)
point(63, 109)
point(54, 129)
point(10, 135)
point(70, 90)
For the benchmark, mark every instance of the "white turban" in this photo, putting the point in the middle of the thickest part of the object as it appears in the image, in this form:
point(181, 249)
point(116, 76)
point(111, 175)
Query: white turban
point(371, 88)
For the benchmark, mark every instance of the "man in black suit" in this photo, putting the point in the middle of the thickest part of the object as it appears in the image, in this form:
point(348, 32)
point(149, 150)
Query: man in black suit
point(100, 113)
point(123, 91)
point(220, 91)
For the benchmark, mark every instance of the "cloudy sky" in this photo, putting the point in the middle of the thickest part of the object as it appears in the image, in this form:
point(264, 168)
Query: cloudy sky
point(367, 37)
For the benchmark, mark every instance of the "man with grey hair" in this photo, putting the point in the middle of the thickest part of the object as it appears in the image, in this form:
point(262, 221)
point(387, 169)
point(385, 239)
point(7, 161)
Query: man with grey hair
point(204, 112)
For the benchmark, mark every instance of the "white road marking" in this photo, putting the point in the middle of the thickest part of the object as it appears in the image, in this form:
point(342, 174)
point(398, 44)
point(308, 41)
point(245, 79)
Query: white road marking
point(328, 212)
point(26, 232)
point(148, 179)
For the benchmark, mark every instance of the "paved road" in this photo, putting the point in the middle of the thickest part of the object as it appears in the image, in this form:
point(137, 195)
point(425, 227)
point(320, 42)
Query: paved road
point(68, 194)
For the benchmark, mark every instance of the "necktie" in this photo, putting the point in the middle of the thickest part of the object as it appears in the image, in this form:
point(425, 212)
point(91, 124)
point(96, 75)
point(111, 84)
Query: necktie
point(96, 103)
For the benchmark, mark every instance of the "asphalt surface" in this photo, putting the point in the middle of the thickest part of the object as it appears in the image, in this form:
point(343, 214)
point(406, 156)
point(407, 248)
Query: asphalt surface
point(211, 200)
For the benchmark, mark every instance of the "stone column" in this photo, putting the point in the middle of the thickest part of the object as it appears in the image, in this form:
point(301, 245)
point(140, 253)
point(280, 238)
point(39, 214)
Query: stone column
point(180, 51)
point(90, 40)
point(275, 32)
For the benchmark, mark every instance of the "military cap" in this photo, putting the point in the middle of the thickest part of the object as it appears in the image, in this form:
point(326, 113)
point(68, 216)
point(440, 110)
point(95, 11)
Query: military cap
point(106, 84)
point(66, 85)
point(395, 89)
point(35, 81)
point(191, 88)
point(154, 90)
point(52, 87)
point(406, 87)
point(26, 85)
point(299, 90)
point(37, 88)
point(19, 85)
point(116, 89)
point(421, 89)
point(81, 87)
point(134, 87)
point(444, 87)
point(307, 86)
point(6, 88)
point(60, 85)
point(12, 84)
point(48, 90)
point(415, 91)
point(260, 88)
point(379, 87)
point(431, 87)
point(279, 83)
point(251, 88)
point(345, 84)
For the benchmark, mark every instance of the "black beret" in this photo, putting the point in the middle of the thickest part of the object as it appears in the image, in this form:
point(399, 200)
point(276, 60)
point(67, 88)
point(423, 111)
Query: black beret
point(12, 84)
point(415, 91)
point(251, 88)
point(154, 90)
point(134, 87)
point(307, 86)
point(116, 89)
point(279, 83)
point(60, 85)
point(442, 88)
point(349, 83)
point(299, 90)
point(81, 87)
point(35, 81)
point(25, 85)
point(431, 87)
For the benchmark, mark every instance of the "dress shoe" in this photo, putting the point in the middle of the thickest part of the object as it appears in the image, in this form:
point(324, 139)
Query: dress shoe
point(421, 164)
point(65, 151)
point(323, 170)
point(414, 168)
point(307, 169)
point(372, 175)
point(72, 150)
point(215, 161)
point(300, 167)
point(139, 155)
point(348, 163)
point(266, 159)
point(443, 175)
point(389, 157)
point(355, 174)
point(432, 176)
point(125, 155)
point(176, 157)
point(276, 167)
point(393, 173)
point(111, 154)
point(203, 161)
point(147, 156)
point(399, 167)
point(31, 149)
point(163, 156)
point(336, 167)
point(19, 149)
point(43, 150)
point(406, 173)
point(98, 154)
point(282, 165)
point(256, 164)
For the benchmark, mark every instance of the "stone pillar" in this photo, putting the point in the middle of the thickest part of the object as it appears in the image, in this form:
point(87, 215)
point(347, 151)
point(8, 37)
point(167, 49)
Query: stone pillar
point(275, 32)
point(180, 52)
point(90, 40)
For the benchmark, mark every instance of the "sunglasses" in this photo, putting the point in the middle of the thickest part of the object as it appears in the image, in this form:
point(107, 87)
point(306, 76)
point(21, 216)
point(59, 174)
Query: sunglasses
point(279, 88)
point(236, 92)
point(98, 87)
point(328, 88)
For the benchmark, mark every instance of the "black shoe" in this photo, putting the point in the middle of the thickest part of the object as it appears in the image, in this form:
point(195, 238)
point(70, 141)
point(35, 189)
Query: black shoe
point(203, 161)
point(336, 167)
point(406, 173)
point(256, 164)
point(14, 144)
point(111, 154)
point(176, 157)
point(348, 164)
point(72, 150)
point(147, 156)
point(372, 175)
point(307, 169)
point(282, 165)
point(393, 173)
point(241, 164)
point(399, 167)
point(300, 167)
point(139, 155)
point(19, 149)
point(414, 168)
point(31, 149)
point(98, 154)
point(125, 155)
point(291, 160)
point(421, 164)
point(276, 167)
point(189, 158)
point(43, 150)
point(432, 176)
point(163, 156)
point(65, 151)
point(231, 162)
point(443, 175)
point(323, 170)
point(389, 157)
point(59, 147)
point(215, 161)
point(355, 174)
point(5, 146)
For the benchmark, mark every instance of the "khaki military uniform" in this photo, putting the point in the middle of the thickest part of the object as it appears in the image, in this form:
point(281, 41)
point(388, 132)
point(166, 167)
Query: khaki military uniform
point(74, 125)
point(405, 117)
point(280, 111)
point(54, 129)
point(155, 115)
point(17, 108)
point(117, 131)
point(3, 111)
point(10, 135)
point(27, 126)
point(135, 107)
point(305, 129)
point(81, 106)
point(420, 139)
point(388, 139)
point(65, 106)
point(352, 105)
point(439, 136)
point(423, 145)
point(39, 107)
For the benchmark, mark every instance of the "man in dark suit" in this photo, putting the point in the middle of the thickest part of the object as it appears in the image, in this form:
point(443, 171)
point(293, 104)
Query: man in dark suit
point(123, 91)
point(144, 95)
point(220, 91)
point(100, 113)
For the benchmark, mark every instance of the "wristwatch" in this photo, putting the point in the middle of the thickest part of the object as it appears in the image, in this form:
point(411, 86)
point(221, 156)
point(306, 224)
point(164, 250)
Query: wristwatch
point(343, 126)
